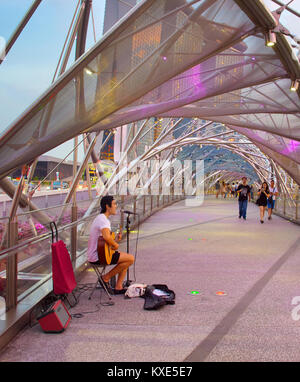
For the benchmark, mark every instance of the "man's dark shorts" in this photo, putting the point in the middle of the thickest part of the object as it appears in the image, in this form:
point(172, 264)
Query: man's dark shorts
point(114, 259)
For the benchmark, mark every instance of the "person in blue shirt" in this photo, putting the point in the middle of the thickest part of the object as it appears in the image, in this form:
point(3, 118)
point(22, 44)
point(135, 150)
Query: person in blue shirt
point(243, 192)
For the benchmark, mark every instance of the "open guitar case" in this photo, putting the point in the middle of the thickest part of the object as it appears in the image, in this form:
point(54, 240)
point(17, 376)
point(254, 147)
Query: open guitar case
point(158, 295)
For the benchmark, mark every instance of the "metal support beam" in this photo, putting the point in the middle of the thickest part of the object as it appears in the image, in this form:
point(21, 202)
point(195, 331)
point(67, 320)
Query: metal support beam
point(20, 27)
point(78, 173)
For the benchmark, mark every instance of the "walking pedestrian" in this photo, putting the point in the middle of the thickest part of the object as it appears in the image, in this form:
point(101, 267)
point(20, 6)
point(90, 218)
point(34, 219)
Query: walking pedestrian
point(226, 189)
point(243, 192)
point(235, 189)
point(223, 189)
point(262, 201)
point(217, 187)
point(271, 200)
point(232, 190)
point(251, 191)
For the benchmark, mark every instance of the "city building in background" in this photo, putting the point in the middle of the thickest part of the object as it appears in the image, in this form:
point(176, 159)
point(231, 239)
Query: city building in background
point(107, 152)
point(114, 11)
point(46, 165)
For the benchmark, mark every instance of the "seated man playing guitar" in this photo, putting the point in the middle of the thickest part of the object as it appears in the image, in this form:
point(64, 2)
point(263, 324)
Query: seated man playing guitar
point(103, 248)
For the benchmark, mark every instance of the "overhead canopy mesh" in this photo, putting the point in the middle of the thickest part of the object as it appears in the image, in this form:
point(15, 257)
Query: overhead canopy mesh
point(173, 58)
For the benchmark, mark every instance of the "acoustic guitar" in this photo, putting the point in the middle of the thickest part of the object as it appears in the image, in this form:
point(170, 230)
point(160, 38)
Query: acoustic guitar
point(104, 250)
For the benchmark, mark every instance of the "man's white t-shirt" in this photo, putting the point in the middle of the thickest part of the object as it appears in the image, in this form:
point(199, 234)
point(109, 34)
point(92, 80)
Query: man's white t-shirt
point(98, 224)
point(274, 190)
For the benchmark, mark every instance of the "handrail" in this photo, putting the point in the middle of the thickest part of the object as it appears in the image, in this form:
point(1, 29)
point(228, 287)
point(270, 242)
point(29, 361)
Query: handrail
point(5, 253)
point(37, 239)
point(47, 208)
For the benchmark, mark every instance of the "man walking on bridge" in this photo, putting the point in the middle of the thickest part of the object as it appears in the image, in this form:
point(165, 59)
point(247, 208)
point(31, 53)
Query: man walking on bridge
point(243, 192)
point(271, 201)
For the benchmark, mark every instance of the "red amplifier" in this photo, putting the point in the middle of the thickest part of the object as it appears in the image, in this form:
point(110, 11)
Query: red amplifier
point(55, 319)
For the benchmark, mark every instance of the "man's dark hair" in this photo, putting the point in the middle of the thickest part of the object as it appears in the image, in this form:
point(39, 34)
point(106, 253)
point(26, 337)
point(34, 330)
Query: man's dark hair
point(106, 200)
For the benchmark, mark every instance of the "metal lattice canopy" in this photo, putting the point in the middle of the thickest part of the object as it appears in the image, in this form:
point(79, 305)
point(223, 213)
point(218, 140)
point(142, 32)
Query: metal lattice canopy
point(204, 59)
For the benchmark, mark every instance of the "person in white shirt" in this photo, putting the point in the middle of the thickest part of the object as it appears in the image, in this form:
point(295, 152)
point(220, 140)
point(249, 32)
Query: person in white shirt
point(101, 227)
point(271, 201)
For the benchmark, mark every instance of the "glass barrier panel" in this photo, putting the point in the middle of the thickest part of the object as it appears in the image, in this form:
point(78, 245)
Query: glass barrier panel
point(34, 266)
point(3, 263)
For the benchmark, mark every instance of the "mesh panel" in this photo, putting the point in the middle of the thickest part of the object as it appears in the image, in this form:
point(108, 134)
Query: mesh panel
point(201, 59)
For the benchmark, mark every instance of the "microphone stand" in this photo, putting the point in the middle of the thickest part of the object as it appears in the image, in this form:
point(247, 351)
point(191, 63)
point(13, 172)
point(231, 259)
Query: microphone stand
point(128, 282)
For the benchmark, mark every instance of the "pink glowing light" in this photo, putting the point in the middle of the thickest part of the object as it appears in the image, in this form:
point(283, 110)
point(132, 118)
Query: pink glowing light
point(293, 145)
point(196, 80)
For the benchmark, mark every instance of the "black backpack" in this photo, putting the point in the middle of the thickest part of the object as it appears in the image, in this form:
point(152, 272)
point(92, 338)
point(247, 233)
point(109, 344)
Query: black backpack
point(158, 295)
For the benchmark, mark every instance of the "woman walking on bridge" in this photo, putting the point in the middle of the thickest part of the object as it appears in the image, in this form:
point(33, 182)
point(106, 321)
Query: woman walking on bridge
point(262, 200)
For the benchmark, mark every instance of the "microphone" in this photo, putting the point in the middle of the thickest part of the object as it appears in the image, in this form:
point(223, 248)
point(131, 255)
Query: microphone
point(129, 212)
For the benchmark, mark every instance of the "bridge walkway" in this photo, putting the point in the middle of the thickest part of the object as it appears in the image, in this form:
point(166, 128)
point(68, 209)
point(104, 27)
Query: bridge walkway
point(208, 249)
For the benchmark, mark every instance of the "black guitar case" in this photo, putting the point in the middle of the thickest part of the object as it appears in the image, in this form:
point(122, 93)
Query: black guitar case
point(158, 295)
